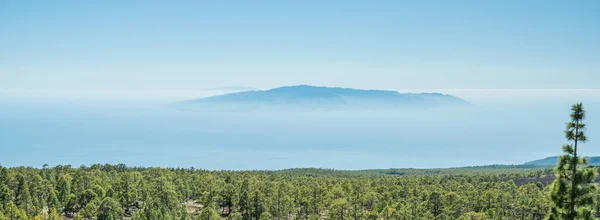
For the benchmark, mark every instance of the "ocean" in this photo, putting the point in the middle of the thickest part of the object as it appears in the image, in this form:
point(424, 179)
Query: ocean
point(505, 129)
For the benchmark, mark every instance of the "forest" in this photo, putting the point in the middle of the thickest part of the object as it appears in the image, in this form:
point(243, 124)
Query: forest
point(117, 191)
point(567, 191)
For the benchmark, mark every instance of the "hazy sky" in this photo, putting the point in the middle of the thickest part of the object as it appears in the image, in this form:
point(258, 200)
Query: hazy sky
point(160, 45)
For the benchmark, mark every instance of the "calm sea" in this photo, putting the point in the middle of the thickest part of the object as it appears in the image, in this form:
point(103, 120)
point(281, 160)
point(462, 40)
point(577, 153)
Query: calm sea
point(492, 131)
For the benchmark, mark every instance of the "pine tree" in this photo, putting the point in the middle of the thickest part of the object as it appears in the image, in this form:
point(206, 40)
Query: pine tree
point(23, 198)
point(64, 189)
point(266, 216)
point(109, 209)
point(244, 199)
point(183, 214)
point(53, 201)
point(5, 194)
point(337, 211)
point(209, 213)
point(572, 191)
point(53, 215)
point(36, 190)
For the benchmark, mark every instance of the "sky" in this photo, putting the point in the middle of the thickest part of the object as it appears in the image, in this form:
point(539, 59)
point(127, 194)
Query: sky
point(521, 63)
point(155, 46)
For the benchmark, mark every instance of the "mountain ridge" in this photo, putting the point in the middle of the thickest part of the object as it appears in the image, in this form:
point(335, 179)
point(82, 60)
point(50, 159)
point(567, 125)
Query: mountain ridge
point(551, 161)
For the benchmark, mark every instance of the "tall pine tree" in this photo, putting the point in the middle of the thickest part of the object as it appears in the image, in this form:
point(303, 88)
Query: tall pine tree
point(572, 190)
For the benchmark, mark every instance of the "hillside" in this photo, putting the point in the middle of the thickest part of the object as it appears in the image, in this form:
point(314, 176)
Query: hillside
point(304, 97)
point(551, 161)
point(179, 193)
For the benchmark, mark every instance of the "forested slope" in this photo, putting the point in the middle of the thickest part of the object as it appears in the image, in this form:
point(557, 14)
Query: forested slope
point(118, 192)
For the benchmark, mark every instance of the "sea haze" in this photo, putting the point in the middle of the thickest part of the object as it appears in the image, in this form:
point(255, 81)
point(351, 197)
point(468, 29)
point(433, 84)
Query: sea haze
point(492, 130)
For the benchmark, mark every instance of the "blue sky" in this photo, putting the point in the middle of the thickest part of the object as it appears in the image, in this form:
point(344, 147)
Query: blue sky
point(187, 45)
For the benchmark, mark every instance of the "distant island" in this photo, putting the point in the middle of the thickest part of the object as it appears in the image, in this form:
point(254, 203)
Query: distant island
point(305, 97)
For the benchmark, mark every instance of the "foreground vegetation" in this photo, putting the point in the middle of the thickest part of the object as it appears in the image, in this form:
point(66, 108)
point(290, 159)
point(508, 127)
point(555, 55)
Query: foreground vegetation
point(488, 192)
point(114, 192)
